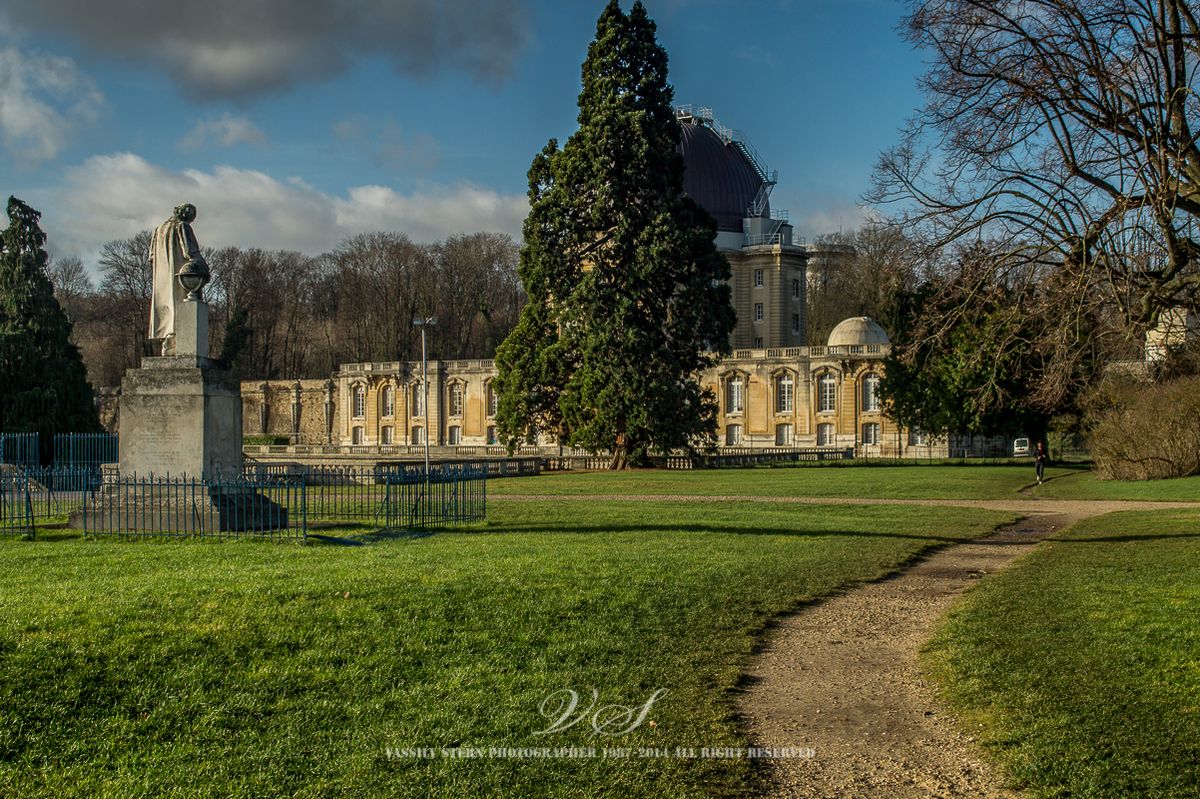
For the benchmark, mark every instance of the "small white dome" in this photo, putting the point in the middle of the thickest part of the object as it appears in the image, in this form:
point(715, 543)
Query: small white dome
point(857, 331)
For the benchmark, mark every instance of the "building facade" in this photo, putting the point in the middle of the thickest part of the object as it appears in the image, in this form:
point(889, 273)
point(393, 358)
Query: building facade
point(776, 397)
point(774, 391)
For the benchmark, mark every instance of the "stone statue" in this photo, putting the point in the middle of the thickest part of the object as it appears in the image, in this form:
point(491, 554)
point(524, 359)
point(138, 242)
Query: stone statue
point(173, 248)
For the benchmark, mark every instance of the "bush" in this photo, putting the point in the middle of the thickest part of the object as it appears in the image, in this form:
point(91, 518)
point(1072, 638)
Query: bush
point(1149, 432)
point(265, 441)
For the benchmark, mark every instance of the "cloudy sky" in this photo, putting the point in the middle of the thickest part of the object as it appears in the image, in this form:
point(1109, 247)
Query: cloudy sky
point(294, 123)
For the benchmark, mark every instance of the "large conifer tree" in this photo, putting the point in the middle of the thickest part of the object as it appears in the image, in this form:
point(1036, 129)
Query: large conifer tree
point(43, 384)
point(628, 296)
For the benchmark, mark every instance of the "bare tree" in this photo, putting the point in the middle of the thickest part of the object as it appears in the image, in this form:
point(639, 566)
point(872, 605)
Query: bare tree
point(1062, 132)
point(70, 278)
point(126, 283)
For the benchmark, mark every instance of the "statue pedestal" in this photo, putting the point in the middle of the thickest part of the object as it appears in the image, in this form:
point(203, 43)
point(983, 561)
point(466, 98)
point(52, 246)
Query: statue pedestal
point(181, 416)
point(180, 468)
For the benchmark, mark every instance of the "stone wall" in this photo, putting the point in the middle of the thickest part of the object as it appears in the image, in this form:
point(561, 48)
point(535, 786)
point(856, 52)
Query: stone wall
point(292, 409)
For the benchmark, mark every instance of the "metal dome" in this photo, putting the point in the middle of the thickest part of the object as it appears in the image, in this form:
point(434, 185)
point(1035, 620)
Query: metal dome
point(718, 176)
point(857, 331)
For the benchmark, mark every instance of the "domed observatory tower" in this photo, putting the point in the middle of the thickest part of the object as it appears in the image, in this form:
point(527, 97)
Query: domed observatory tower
point(726, 176)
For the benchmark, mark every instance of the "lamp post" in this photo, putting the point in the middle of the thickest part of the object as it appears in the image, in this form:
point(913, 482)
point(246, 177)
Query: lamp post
point(424, 322)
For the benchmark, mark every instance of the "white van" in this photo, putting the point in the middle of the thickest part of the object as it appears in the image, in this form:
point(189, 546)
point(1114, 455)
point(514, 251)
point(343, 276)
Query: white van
point(1021, 448)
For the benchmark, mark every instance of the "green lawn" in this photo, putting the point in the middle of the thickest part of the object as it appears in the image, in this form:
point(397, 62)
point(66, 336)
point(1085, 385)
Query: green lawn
point(1081, 663)
point(856, 480)
point(859, 480)
point(244, 669)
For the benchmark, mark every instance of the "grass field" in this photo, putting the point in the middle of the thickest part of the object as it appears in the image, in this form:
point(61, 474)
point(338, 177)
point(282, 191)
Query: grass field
point(1081, 663)
point(244, 669)
point(856, 480)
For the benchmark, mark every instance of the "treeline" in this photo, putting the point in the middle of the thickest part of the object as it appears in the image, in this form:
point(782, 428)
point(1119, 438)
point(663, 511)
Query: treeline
point(298, 316)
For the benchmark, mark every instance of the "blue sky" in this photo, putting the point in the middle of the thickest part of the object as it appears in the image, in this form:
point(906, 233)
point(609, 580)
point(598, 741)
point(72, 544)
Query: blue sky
point(294, 123)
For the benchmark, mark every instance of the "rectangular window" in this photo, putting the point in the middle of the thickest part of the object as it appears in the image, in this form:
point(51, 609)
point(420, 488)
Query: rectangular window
point(386, 436)
point(758, 312)
point(917, 437)
point(734, 395)
point(493, 402)
point(826, 394)
point(758, 342)
point(733, 435)
point(796, 323)
point(784, 394)
point(824, 435)
point(783, 435)
point(418, 400)
point(795, 288)
point(491, 435)
point(389, 401)
point(456, 400)
point(418, 435)
point(758, 278)
point(871, 392)
point(454, 435)
point(356, 435)
point(360, 402)
point(870, 433)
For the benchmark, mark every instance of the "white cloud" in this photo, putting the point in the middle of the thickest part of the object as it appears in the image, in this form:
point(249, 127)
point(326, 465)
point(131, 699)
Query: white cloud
point(832, 218)
point(44, 101)
point(115, 196)
point(226, 130)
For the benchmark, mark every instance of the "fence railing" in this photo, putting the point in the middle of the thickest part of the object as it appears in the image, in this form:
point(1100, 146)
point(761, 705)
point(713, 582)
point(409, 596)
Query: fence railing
point(80, 450)
point(20, 449)
point(192, 508)
point(287, 505)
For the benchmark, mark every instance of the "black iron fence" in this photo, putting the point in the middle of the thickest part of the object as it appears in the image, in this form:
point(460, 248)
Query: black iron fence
point(193, 508)
point(84, 450)
point(20, 449)
point(269, 504)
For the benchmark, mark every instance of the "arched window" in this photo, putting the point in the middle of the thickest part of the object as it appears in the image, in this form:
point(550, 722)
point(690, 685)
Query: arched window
point(735, 394)
point(418, 435)
point(870, 392)
point(360, 402)
point(870, 433)
point(733, 435)
point(386, 435)
point(454, 435)
point(825, 435)
point(387, 401)
point(784, 393)
point(783, 435)
point(826, 393)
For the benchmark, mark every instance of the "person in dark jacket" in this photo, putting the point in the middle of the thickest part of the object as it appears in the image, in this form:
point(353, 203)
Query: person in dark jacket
point(1039, 459)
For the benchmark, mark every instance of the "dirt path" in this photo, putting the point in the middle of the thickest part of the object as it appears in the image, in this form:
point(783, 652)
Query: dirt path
point(842, 676)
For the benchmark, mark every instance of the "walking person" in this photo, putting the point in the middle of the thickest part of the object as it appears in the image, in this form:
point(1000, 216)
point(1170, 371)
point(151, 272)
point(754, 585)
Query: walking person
point(1039, 459)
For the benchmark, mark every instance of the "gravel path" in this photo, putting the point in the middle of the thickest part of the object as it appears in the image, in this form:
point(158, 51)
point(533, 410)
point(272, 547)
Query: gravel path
point(841, 676)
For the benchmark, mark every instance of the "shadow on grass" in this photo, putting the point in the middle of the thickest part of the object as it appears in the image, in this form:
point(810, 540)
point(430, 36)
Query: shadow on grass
point(714, 528)
point(363, 539)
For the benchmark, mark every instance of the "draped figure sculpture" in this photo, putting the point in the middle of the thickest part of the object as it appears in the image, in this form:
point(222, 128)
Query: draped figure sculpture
point(173, 248)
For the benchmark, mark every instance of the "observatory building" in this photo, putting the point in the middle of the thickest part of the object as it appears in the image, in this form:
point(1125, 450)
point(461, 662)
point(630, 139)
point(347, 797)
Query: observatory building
point(774, 391)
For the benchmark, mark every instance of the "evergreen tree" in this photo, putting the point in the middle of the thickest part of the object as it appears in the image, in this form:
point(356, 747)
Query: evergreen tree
point(628, 298)
point(43, 384)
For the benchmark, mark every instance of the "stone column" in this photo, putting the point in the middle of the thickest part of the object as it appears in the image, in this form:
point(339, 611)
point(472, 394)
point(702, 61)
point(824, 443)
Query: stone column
point(296, 408)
